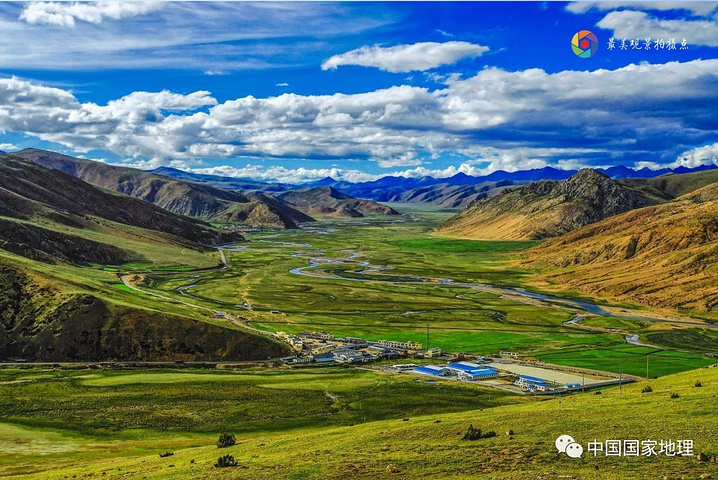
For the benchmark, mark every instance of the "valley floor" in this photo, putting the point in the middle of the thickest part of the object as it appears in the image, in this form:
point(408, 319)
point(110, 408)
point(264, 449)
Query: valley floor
point(376, 279)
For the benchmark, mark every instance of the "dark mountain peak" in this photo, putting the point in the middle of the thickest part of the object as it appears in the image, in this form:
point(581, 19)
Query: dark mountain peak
point(323, 182)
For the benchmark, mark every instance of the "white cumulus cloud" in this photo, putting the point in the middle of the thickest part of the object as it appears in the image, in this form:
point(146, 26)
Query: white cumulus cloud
point(631, 24)
point(65, 14)
point(496, 119)
point(695, 157)
point(698, 8)
point(407, 58)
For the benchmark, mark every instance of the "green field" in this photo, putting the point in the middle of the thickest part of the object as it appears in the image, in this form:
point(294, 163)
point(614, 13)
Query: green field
point(50, 417)
point(393, 284)
point(335, 423)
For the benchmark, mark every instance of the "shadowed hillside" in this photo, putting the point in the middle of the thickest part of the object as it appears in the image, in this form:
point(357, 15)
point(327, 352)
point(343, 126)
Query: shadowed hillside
point(41, 324)
point(545, 209)
point(663, 256)
point(329, 202)
point(48, 216)
point(178, 196)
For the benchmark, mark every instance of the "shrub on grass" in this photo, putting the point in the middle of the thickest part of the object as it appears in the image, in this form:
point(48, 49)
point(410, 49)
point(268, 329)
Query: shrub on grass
point(647, 389)
point(674, 395)
point(698, 383)
point(166, 454)
point(476, 433)
point(226, 440)
point(226, 461)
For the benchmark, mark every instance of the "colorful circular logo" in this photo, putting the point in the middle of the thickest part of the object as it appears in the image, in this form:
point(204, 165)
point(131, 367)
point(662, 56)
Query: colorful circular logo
point(584, 44)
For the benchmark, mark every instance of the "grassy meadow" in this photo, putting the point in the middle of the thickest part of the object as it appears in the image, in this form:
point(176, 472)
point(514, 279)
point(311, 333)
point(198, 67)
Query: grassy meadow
point(370, 254)
point(324, 423)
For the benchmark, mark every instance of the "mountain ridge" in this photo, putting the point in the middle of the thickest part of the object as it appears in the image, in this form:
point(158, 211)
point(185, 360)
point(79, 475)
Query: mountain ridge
point(192, 199)
point(545, 209)
point(327, 201)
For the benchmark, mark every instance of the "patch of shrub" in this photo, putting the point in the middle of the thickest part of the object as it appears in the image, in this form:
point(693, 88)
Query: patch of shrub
point(476, 434)
point(226, 461)
point(675, 395)
point(166, 454)
point(647, 389)
point(698, 384)
point(226, 440)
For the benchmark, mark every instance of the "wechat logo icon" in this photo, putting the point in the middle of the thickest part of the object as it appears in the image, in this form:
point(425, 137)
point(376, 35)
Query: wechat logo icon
point(566, 444)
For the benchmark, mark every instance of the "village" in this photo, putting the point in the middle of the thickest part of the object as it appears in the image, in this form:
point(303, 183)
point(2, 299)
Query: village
point(505, 370)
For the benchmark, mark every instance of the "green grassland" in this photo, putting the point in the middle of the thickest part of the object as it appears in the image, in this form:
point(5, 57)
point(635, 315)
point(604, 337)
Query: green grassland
point(460, 319)
point(55, 418)
point(288, 426)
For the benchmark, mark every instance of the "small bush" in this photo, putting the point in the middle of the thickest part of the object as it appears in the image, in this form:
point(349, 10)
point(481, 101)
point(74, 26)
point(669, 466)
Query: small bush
point(675, 395)
point(166, 454)
point(476, 434)
point(226, 461)
point(647, 389)
point(226, 440)
point(698, 383)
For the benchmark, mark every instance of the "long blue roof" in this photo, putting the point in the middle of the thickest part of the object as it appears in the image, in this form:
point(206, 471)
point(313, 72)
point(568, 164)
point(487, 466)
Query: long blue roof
point(465, 366)
point(429, 369)
point(533, 379)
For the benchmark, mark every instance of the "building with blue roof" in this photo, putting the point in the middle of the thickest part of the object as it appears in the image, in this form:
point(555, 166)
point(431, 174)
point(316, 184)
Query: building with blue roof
point(472, 371)
point(481, 374)
point(431, 370)
point(527, 382)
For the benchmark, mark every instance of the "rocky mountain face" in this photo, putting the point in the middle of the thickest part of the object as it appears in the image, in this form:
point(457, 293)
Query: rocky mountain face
point(545, 209)
point(327, 201)
point(182, 197)
point(662, 256)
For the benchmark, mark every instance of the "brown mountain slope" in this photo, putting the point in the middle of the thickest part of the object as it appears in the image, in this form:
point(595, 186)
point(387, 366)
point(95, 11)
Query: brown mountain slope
point(544, 209)
point(44, 215)
point(662, 256)
point(451, 196)
point(668, 187)
point(329, 202)
point(178, 196)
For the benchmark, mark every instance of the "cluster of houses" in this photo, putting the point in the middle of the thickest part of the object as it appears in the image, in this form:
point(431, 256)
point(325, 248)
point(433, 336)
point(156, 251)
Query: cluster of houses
point(323, 347)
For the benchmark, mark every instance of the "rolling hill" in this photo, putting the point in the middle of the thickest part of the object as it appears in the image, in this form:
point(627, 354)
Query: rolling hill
point(192, 199)
point(663, 256)
point(56, 301)
point(47, 215)
point(326, 201)
point(545, 209)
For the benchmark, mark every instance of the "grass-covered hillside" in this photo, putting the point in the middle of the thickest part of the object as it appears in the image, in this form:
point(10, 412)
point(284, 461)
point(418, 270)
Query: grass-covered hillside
point(660, 256)
point(314, 425)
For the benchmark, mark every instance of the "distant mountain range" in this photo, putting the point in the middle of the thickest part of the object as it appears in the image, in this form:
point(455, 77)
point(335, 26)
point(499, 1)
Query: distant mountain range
point(452, 192)
point(326, 201)
point(190, 198)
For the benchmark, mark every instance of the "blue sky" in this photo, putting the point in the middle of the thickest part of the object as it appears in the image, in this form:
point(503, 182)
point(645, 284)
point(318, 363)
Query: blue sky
point(297, 91)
